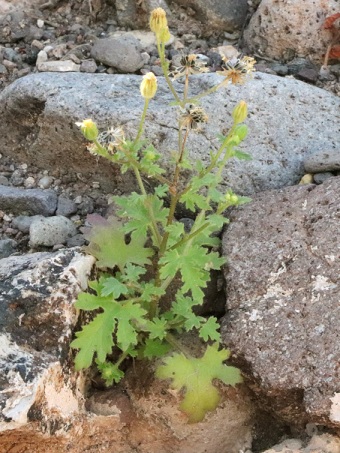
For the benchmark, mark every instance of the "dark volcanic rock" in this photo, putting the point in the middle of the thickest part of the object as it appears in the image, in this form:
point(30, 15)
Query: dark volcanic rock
point(283, 299)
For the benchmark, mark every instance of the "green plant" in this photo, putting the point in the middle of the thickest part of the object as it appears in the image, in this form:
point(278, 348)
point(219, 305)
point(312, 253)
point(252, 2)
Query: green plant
point(142, 254)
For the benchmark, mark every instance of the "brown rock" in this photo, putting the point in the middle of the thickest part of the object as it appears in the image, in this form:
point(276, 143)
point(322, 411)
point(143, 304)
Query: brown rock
point(283, 300)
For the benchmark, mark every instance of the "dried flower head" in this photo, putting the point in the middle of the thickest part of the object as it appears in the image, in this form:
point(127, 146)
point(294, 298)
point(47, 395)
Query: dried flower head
point(193, 117)
point(236, 70)
point(189, 64)
point(111, 139)
point(158, 21)
point(148, 87)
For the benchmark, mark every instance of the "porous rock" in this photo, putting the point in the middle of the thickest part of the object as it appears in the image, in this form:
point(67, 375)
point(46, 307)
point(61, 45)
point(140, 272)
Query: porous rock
point(39, 113)
point(323, 161)
point(49, 231)
point(293, 28)
point(223, 16)
point(319, 443)
point(283, 300)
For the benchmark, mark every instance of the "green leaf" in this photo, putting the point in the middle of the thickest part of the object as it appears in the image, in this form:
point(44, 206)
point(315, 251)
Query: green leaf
point(108, 245)
point(241, 155)
point(95, 337)
point(109, 372)
point(88, 301)
point(155, 348)
point(161, 191)
point(126, 313)
point(195, 376)
point(112, 286)
point(157, 328)
point(209, 330)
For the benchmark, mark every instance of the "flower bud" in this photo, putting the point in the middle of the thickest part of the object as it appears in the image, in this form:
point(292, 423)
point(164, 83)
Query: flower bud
point(164, 35)
point(148, 87)
point(158, 21)
point(241, 131)
point(89, 129)
point(240, 112)
point(231, 198)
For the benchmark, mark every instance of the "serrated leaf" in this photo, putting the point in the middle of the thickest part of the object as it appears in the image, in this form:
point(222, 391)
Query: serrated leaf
point(108, 245)
point(94, 338)
point(209, 330)
point(112, 286)
point(125, 313)
point(195, 376)
point(162, 190)
point(157, 328)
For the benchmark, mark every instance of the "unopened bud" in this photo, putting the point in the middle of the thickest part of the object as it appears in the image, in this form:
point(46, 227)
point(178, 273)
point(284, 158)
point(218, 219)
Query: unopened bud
point(241, 131)
point(148, 87)
point(89, 129)
point(240, 112)
point(158, 21)
point(231, 198)
point(164, 35)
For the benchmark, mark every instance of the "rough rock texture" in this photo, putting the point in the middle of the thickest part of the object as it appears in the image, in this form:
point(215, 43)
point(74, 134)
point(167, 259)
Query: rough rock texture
point(324, 443)
point(29, 201)
point(323, 161)
point(283, 300)
point(39, 111)
point(224, 16)
point(45, 407)
point(37, 318)
point(288, 28)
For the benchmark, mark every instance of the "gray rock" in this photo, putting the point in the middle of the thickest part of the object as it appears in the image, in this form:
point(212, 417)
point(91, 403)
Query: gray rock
point(319, 178)
point(122, 53)
point(279, 109)
point(7, 247)
point(134, 15)
point(37, 293)
point(282, 285)
point(3, 69)
point(323, 161)
point(49, 231)
point(4, 181)
point(27, 201)
point(23, 222)
point(89, 66)
point(308, 75)
point(58, 66)
point(216, 15)
point(76, 241)
point(45, 182)
point(66, 206)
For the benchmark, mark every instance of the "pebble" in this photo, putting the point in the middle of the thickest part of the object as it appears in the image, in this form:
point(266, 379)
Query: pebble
point(3, 69)
point(323, 161)
point(29, 182)
point(58, 66)
point(76, 241)
point(7, 247)
point(50, 231)
point(89, 66)
point(319, 178)
point(4, 181)
point(23, 222)
point(45, 182)
point(66, 206)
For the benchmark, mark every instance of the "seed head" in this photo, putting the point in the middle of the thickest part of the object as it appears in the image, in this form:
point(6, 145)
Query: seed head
point(236, 70)
point(189, 64)
point(193, 117)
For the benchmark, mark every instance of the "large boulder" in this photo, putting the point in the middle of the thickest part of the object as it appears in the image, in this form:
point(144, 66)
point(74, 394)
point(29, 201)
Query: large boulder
point(282, 31)
point(288, 120)
point(283, 308)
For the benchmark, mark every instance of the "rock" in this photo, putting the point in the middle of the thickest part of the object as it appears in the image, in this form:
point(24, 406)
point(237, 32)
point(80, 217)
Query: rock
point(89, 66)
point(323, 161)
point(4, 181)
point(146, 38)
point(320, 443)
point(66, 206)
point(274, 29)
point(226, 16)
point(7, 247)
point(319, 178)
point(49, 231)
point(54, 102)
point(30, 201)
point(282, 290)
point(58, 66)
point(23, 222)
point(122, 53)
point(45, 182)
point(308, 75)
point(37, 292)
point(136, 14)
point(76, 241)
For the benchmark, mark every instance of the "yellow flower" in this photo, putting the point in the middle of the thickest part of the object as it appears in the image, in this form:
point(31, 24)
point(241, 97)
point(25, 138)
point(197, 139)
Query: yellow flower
point(148, 87)
point(240, 112)
point(236, 70)
point(158, 21)
point(89, 129)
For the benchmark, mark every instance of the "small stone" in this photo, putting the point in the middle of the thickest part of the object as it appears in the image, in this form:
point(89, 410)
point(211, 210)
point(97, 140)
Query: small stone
point(29, 182)
point(28, 201)
point(3, 69)
point(42, 57)
point(319, 178)
point(323, 161)
point(40, 23)
point(50, 231)
point(23, 222)
point(4, 181)
point(37, 44)
point(280, 69)
point(76, 241)
point(66, 206)
point(7, 247)
point(45, 182)
point(9, 64)
point(308, 75)
point(58, 66)
point(89, 66)
point(16, 178)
